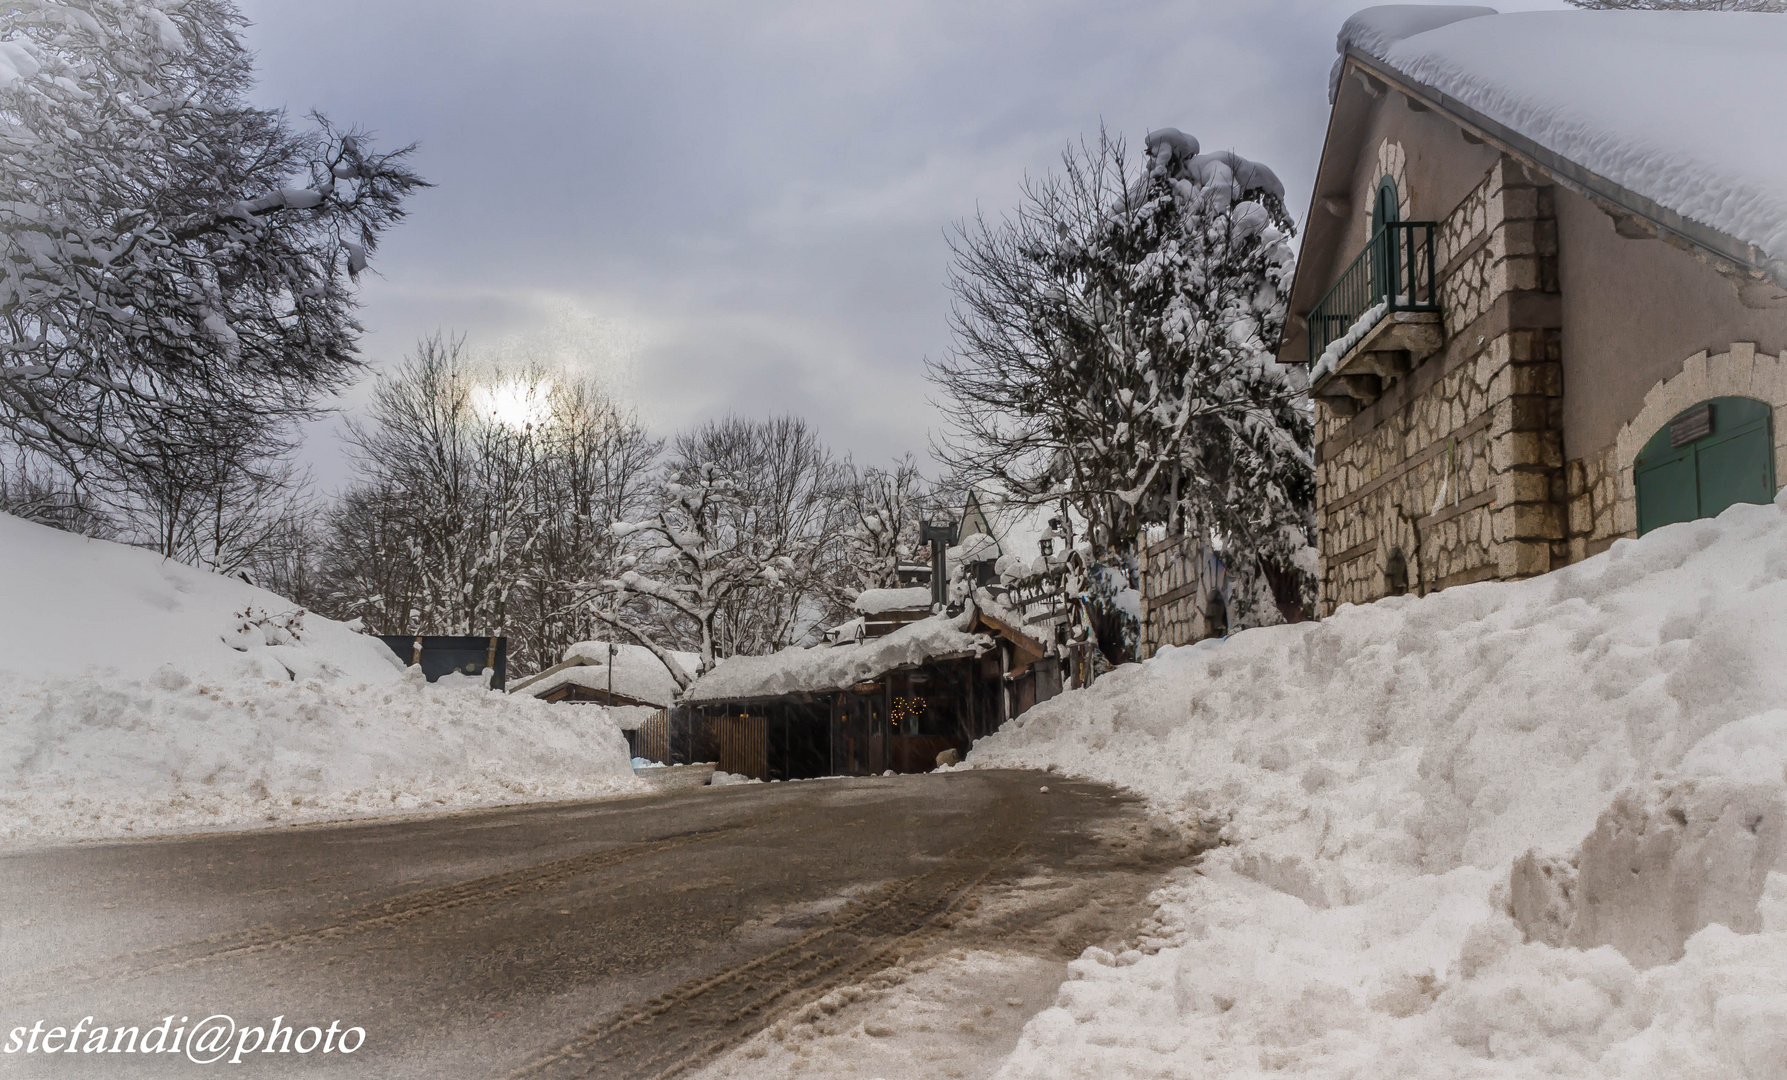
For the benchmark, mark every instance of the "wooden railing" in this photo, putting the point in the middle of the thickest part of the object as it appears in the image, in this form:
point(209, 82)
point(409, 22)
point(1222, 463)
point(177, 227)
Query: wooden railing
point(1396, 269)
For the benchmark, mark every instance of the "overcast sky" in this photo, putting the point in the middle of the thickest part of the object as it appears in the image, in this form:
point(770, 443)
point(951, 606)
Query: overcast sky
point(741, 207)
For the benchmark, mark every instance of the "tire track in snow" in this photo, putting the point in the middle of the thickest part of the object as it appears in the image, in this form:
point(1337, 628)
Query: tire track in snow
point(701, 1018)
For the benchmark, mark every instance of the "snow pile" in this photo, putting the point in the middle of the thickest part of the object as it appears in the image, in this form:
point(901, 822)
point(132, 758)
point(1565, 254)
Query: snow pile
point(883, 601)
point(824, 668)
point(140, 696)
point(721, 778)
point(1678, 107)
point(1508, 830)
point(624, 717)
point(70, 605)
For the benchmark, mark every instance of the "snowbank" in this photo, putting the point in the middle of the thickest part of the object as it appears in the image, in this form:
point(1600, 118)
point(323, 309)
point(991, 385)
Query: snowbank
point(1676, 106)
point(142, 696)
point(1507, 830)
point(69, 605)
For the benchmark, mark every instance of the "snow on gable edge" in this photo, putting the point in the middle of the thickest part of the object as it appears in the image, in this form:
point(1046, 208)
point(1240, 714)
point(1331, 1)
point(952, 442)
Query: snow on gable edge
point(1374, 30)
point(1625, 97)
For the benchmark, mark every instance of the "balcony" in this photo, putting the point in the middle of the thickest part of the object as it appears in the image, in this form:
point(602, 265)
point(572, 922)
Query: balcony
point(1379, 320)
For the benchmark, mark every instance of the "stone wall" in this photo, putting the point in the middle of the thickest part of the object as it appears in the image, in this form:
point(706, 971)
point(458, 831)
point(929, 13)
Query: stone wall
point(1455, 474)
point(1179, 578)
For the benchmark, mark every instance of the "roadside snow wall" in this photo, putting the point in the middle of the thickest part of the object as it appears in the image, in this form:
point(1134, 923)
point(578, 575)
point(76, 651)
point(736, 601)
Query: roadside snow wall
point(1507, 830)
point(142, 696)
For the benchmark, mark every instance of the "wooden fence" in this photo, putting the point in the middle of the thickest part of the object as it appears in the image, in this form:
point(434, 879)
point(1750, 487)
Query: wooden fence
point(652, 740)
point(740, 744)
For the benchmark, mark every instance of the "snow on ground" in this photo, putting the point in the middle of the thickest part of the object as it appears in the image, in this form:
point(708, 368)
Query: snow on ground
point(952, 1015)
point(1676, 106)
point(1507, 830)
point(141, 696)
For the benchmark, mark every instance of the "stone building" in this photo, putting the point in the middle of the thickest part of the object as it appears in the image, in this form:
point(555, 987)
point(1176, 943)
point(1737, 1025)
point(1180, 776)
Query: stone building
point(1542, 289)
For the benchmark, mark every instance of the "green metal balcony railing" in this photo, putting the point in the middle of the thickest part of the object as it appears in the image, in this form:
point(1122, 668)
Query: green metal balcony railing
point(1396, 269)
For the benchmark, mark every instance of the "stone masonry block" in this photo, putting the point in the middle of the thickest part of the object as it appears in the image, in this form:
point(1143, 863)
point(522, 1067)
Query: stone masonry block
point(1522, 486)
point(1695, 367)
point(1581, 518)
point(1515, 238)
point(1530, 412)
point(1517, 202)
point(1523, 558)
point(1543, 377)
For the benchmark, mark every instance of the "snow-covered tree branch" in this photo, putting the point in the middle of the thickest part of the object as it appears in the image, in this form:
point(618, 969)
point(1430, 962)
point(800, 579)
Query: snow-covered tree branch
point(175, 265)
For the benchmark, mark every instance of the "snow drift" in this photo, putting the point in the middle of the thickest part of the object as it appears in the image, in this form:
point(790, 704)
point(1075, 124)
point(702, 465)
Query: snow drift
point(138, 695)
point(1520, 829)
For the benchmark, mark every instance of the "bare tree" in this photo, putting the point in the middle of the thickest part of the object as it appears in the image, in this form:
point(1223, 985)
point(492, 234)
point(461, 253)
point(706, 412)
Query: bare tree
point(484, 500)
point(458, 486)
point(41, 494)
point(730, 559)
point(591, 464)
point(880, 509)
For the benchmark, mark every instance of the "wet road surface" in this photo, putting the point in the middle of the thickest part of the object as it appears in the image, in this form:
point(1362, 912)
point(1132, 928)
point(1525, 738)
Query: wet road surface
point(633, 937)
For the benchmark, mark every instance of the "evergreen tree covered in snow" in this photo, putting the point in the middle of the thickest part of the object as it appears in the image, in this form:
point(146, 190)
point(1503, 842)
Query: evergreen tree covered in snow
point(1114, 345)
point(175, 264)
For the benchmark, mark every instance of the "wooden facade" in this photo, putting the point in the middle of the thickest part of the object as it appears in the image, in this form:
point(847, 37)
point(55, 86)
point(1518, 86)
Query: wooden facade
point(574, 692)
point(899, 722)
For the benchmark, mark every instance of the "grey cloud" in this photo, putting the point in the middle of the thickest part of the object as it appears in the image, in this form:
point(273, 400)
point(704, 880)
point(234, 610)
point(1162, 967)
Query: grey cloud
point(757, 193)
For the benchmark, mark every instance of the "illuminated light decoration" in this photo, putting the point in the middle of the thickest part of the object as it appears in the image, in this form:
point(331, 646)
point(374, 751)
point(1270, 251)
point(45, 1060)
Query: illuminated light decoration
point(906, 708)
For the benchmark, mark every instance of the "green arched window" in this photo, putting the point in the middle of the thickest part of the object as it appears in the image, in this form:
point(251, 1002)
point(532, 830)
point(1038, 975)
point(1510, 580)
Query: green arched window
point(1387, 207)
point(1385, 210)
point(1718, 453)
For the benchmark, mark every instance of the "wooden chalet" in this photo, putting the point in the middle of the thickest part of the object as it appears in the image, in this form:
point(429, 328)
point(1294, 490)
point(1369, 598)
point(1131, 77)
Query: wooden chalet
point(903, 687)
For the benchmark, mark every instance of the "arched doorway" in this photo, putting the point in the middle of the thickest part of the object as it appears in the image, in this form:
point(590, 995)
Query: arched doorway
point(1718, 453)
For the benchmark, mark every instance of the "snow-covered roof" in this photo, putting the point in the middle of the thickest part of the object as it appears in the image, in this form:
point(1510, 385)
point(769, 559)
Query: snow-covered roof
point(638, 673)
point(1684, 109)
point(826, 668)
point(882, 601)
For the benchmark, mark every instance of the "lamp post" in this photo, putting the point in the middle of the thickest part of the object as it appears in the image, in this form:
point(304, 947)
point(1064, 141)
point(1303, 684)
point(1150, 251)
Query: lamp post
point(939, 534)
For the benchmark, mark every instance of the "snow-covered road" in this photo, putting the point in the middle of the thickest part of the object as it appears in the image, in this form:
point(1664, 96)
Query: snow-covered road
point(773, 929)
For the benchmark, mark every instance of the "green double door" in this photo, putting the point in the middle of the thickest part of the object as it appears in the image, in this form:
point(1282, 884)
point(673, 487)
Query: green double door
point(1701, 463)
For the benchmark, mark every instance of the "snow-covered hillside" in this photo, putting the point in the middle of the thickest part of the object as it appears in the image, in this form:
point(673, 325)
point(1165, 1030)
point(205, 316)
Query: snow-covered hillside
point(1508, 830)
point(139, 695)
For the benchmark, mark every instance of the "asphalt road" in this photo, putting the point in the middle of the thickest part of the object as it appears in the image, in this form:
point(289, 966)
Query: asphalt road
point(633, 937)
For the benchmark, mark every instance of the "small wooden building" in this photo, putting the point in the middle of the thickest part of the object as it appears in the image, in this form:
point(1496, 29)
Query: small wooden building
point(893, 699)
point(629, 679)
point(595, 671)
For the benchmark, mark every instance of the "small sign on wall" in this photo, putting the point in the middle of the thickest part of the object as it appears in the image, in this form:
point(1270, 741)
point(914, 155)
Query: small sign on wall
point(1696, 423)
